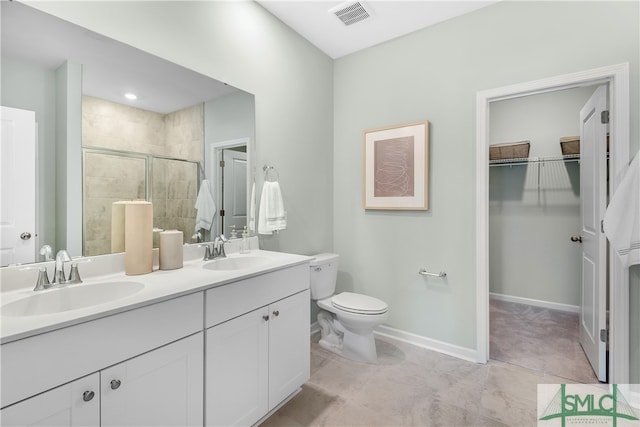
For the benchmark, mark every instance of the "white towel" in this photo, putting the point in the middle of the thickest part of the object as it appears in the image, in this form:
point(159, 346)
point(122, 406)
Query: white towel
point(272, 216)
point(622, 219)
point(206, 207)
point(252, 210)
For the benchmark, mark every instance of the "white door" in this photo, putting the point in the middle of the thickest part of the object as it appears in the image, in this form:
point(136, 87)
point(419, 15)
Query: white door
point(237, 369)
point(234, 190)
point(593, 181)
point(18, 177)
point(289, 351)
point(73, 404)
point(161, 388)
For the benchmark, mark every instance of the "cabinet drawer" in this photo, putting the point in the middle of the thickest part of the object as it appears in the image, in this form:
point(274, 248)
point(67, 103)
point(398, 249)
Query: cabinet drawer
point(39, 363)
point(232, 300)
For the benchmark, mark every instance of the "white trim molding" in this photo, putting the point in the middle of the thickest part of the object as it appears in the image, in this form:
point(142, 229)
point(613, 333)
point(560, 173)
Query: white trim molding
point(428, 343)
point(617, 78)
point(419, 341)
point(536, 302)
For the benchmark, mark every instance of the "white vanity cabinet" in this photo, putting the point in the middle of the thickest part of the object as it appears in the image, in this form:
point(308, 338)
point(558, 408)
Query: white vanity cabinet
point(225, 353)
point(257, 349)
point(74, 404)
point(162, 387)
point(156, 352)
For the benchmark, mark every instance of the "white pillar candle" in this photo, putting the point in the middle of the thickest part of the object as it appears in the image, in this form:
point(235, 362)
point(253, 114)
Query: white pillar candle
point(171, 249)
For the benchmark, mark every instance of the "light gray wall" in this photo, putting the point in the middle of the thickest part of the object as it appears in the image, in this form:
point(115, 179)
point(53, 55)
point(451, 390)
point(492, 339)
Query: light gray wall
point(229, 118)
point(434, 74)
point(243, 45)
point(533, 209)
point(68, 150)
point(33, 88)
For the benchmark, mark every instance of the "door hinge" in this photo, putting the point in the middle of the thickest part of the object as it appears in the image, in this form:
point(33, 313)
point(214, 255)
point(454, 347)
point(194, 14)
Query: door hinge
point(221, 212)
point(603, 335)
point(221, 163)
point(602, 225)
point(604, 117)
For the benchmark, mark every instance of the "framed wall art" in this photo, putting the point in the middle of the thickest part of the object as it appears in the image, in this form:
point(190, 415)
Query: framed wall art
point(396, 167)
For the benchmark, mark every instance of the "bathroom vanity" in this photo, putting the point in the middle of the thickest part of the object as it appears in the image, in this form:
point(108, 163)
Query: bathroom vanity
point(213, 344)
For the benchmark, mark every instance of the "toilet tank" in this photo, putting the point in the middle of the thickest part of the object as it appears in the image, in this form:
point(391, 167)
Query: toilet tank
point(324, 274)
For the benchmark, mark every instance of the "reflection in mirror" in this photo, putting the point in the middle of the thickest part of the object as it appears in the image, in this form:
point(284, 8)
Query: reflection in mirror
point(157, 147)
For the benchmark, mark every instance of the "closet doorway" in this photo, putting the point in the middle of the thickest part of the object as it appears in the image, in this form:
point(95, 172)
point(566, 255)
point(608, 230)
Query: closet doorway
point(617, 79)
point(534, 210)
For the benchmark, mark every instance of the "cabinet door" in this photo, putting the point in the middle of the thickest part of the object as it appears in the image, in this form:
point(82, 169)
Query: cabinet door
point(289, 346)
point(73, 404)
point(161, 387)
point(237, 370)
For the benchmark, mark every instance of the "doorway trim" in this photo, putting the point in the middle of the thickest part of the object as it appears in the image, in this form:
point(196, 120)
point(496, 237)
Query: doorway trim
point(617, 77)
point(212, 157)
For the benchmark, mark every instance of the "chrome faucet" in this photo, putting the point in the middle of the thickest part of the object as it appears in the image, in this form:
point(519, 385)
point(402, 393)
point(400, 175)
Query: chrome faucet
point(58, 274)
point(43, 280)
point(59, 277)
point(218, 246)
point(215, 249)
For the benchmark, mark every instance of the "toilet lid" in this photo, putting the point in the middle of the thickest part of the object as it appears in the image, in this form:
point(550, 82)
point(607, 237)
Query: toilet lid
point(358, 303)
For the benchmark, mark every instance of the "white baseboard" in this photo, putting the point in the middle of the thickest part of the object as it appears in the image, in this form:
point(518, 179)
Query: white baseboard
point(536, 302)
point(428, 343)
point(419, 341)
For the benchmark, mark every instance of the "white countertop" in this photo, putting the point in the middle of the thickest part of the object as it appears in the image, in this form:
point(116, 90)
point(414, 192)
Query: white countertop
point(160, 285)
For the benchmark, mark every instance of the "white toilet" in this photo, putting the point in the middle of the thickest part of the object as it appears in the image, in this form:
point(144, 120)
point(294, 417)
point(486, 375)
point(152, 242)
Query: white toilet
point(346, 320)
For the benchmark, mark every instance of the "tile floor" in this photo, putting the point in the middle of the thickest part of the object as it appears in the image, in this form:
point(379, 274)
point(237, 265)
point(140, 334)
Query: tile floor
point(412, 386)
point(539, 339)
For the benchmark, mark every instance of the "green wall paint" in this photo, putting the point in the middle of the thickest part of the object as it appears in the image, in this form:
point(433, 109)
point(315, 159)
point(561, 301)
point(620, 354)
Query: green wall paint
point(434, 74)
point(311, 111)
point(242, 44)
point(533, 209)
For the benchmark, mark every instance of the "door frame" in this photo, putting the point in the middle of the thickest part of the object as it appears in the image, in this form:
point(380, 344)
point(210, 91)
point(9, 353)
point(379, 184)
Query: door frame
point(617, 78)
point(212, 172)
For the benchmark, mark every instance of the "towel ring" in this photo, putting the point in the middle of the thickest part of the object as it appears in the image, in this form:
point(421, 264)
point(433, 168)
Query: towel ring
point(267, 177)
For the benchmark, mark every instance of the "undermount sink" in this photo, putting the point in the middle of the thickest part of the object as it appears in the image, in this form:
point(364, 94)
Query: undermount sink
point(235, 263)
point(67, 298)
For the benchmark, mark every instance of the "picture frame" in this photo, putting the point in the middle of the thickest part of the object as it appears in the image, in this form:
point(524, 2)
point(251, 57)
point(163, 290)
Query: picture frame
point(396, 167)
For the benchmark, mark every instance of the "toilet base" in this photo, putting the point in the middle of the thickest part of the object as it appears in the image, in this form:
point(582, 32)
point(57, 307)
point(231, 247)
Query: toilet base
point(337, 339)
point(361, 348)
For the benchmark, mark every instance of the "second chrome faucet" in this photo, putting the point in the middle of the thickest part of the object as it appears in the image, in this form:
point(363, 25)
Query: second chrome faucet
point(59, 277)
point(215, 249)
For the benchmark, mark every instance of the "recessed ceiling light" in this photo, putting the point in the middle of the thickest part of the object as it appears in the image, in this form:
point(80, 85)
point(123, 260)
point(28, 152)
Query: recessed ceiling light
point(131, 96)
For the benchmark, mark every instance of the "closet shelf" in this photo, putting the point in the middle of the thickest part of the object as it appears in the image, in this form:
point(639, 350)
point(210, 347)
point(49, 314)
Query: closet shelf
point(534, 160)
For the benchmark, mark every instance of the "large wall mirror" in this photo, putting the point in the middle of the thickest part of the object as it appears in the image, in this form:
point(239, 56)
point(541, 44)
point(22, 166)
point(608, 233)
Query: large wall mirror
point(95, 146)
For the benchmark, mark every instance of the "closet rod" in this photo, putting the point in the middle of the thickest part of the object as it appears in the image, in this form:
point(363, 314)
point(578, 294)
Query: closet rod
point(534, 160)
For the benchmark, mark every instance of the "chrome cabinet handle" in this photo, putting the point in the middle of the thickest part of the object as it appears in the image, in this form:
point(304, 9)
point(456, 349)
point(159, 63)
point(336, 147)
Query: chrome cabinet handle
point(265, 317)
point(25, 236)
point(276, 313)
point(115, 384)
point(576, 239)
point(88, 395)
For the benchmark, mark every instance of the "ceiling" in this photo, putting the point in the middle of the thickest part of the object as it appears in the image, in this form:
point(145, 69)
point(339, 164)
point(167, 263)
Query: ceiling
point(389, 19)
point(109, 68)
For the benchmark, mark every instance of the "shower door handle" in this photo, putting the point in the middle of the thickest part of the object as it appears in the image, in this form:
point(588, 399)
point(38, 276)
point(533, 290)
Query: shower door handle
point(576, 239)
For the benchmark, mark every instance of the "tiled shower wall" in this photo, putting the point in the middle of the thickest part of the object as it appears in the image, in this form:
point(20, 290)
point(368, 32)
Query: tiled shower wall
point(174, 196)
point(107, 178)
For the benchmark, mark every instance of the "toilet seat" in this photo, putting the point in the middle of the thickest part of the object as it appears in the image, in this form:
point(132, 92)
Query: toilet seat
point(358, 303)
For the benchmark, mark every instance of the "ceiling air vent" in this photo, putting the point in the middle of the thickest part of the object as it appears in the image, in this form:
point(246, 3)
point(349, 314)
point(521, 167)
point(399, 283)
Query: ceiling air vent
point(351, 12)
